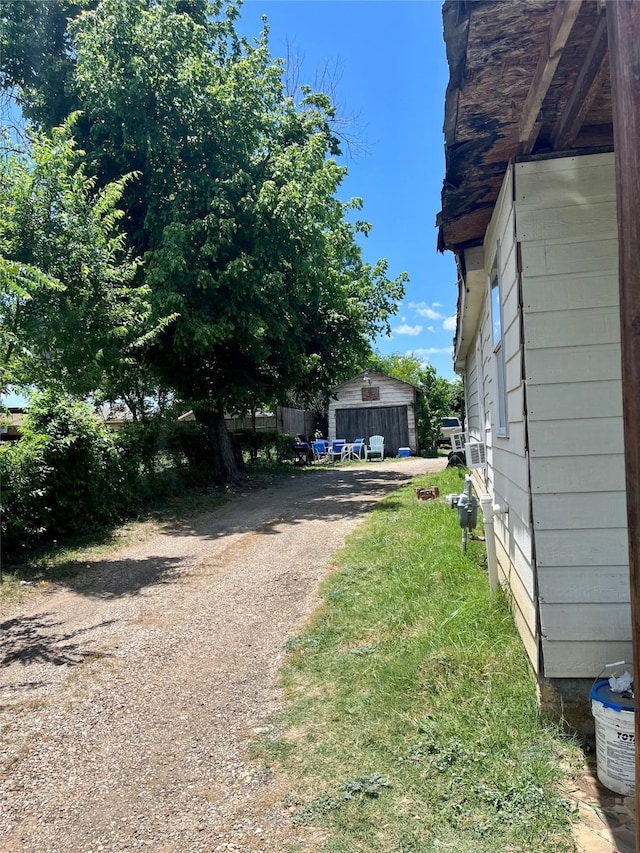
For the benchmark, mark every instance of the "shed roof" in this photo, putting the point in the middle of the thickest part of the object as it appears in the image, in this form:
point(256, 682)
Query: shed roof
point(372, 374)
point(527, 78)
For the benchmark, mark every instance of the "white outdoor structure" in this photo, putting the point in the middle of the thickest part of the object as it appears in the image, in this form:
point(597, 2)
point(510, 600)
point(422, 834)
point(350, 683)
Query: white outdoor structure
point(373, 403)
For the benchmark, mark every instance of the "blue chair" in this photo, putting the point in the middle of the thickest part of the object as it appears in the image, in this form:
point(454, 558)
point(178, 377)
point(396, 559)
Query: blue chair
point(359, 448)
point(302, 451)
point(321, 450)
point(375, 447)
point(336, 448)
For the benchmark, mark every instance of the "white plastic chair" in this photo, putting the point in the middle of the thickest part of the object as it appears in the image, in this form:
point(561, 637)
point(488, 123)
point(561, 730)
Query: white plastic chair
point(375, 447)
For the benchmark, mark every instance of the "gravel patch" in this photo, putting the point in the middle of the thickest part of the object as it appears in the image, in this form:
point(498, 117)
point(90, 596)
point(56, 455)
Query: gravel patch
point(129, 695)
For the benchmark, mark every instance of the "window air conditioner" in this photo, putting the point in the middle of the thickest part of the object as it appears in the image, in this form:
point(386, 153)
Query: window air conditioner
point(476, 454)
point(458, 442)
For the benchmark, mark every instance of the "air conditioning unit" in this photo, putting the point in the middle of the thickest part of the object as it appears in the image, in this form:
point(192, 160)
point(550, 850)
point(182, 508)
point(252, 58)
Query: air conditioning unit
point(476, 454)
point(458, 442)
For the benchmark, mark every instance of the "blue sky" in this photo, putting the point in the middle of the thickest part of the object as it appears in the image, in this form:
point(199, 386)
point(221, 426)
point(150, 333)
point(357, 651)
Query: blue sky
point(391, 73)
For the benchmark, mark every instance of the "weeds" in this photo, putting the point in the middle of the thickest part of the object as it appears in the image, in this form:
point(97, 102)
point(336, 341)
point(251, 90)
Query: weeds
point(370, 786)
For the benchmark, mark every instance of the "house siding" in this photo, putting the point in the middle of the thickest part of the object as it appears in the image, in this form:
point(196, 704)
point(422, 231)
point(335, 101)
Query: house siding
point(566, 226)
point(507, 474)
point(473, 407)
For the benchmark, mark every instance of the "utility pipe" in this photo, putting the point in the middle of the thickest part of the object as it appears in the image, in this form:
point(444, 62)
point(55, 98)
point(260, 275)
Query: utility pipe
point(489, 510)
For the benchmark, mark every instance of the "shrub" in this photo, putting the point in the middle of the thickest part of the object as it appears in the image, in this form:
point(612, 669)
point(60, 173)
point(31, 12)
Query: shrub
point(188, 449)
point(70, 475)
point(144, 460)
point(64, 477)
point(23, 474)
point(269, 442)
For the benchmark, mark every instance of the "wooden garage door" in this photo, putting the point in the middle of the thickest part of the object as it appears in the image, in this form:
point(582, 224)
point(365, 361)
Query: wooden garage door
point(389, 421)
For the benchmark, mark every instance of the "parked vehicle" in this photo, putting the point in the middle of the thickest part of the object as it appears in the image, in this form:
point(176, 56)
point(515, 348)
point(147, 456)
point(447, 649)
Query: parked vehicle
point(448, 426)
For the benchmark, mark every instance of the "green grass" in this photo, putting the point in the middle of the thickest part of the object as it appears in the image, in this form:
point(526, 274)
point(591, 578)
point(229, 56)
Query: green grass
point(411, 721)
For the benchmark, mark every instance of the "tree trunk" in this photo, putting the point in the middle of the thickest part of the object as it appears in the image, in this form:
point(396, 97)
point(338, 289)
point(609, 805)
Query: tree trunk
point(226, 467)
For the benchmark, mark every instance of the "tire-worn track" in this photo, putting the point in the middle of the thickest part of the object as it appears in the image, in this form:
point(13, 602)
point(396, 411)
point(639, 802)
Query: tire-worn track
point(128, 696)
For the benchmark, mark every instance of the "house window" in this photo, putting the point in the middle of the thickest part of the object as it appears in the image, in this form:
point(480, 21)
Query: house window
point(502, 422)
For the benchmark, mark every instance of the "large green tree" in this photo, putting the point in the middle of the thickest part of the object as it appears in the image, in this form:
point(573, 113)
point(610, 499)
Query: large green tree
point(69, 313)
point(234, 209)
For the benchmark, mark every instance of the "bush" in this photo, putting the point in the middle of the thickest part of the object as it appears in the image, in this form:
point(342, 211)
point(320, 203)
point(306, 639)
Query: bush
point(69, 474)
point(64, 477)
point(188, 450)
point(269, 442)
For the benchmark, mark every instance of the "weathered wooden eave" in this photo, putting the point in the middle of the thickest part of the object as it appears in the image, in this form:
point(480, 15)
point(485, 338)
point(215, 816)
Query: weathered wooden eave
point(526, 77)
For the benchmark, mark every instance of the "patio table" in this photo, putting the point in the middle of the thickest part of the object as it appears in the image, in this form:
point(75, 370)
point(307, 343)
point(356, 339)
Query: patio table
point(349, 451)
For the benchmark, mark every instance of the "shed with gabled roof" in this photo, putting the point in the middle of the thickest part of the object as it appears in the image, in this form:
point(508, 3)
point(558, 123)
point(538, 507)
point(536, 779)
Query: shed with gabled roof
point(373, 403)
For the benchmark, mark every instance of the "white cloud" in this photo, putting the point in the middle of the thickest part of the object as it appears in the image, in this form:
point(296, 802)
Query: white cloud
point(427, 351)
point(431, 329)
point(426, 310)
point(425, 354)
point(407, 330)
point(450, 323)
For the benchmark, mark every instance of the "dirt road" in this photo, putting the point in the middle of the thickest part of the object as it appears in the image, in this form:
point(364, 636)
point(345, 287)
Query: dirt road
point(128, 696)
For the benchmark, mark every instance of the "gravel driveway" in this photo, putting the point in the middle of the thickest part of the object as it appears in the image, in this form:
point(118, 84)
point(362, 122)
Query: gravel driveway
point(129, 695)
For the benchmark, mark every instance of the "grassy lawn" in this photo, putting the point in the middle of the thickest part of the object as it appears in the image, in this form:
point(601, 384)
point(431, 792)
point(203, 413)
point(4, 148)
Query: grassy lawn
point(411, 721)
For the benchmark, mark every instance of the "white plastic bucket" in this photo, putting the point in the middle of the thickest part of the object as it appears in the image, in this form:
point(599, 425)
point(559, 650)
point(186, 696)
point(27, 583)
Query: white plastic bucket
point(615, 738)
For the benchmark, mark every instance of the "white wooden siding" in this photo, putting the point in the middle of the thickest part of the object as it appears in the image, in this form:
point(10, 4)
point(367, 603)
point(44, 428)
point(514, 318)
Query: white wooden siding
point(552, 258)
point(564, 547)
point(571, 181)
point(522, 595)
point(576, 437)
point(574, 364)
point(573, 400)
point(578, 473)
point(506, 476)
point(587, 290)
point(583, 659)
point(505, 481)
point(608, 584)
point(514, 538)
point(473, 421)
point(577, 224)
point(589, 510)
point(588, 623)
point(566, 224)
point(583, 326)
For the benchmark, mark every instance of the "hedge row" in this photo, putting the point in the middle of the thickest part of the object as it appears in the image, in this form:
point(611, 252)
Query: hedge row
point(69, 474)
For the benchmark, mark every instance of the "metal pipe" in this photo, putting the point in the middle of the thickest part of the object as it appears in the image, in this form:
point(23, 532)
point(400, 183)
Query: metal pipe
point(489, 510)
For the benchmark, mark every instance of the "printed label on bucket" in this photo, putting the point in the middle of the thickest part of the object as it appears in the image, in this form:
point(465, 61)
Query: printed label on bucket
point(619, 761)
point(615, 748)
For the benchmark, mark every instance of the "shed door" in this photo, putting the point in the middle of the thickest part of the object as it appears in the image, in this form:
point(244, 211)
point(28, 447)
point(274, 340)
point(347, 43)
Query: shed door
point(389, 421)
